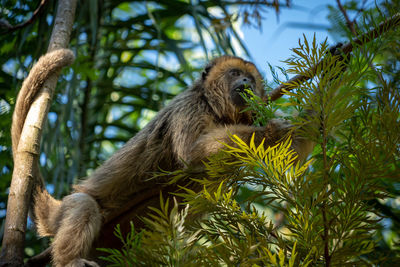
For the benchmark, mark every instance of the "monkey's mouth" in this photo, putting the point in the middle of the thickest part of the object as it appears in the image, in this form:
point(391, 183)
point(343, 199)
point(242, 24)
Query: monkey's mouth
point(243, 87)
point(240, 92)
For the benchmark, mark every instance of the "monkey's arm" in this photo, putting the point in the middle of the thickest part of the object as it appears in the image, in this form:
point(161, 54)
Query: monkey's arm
point(212, 141)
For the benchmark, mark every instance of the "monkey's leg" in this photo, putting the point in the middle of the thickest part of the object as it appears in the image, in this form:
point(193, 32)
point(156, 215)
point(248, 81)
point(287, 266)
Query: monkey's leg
point(80, 222)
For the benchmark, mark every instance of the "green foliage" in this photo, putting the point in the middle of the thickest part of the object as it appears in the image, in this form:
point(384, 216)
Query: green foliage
point(262, 112)
point(231, 234)
point(318, 213)
point(130, 243)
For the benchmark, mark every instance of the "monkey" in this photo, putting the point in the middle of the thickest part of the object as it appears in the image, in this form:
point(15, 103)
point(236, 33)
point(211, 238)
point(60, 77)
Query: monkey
point(193, 126)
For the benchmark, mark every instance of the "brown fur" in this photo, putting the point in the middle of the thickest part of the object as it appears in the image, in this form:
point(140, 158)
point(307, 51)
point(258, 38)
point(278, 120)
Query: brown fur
point(190, 128)
point(47, 64)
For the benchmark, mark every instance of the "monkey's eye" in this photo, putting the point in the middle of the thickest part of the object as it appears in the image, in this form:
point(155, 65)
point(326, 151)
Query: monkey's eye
point(235, 72)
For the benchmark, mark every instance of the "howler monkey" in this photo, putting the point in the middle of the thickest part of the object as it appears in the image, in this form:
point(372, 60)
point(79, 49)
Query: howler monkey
point(190, 128)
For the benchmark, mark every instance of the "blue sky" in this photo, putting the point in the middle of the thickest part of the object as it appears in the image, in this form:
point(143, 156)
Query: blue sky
point(273, 44)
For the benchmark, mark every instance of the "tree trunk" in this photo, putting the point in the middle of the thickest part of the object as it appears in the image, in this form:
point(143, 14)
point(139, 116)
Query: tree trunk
point(27, 155)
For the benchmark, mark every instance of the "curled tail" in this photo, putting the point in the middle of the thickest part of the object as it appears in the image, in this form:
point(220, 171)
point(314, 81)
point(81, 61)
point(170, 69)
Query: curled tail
point(47, 65)
point(45, 208)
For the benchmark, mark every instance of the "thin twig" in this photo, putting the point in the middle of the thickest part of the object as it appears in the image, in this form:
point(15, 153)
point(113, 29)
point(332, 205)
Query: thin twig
point(9, 28)
point(350, 23)
point(40, 259)
point(260, 2)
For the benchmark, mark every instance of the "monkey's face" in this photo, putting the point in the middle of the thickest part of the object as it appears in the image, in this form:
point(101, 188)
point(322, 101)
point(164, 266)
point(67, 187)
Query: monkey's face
point(228, 77)
point(238, 82)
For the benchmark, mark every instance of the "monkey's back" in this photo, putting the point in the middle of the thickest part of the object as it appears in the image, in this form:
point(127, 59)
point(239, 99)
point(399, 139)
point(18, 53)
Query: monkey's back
point(161, 145)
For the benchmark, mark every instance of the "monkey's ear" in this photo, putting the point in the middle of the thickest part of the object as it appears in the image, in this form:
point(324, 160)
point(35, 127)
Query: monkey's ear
point(205, 73)
point(207, 70)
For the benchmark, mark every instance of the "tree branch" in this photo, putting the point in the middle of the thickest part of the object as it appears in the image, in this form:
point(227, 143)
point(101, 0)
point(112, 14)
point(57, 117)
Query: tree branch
point(26, 171)
point(350, 23)
point(41, 259)
point(385, 26)
point(9, 28)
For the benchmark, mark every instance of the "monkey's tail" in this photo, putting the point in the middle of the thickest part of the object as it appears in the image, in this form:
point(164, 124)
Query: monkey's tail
point(45, 208)
point(47, 64)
